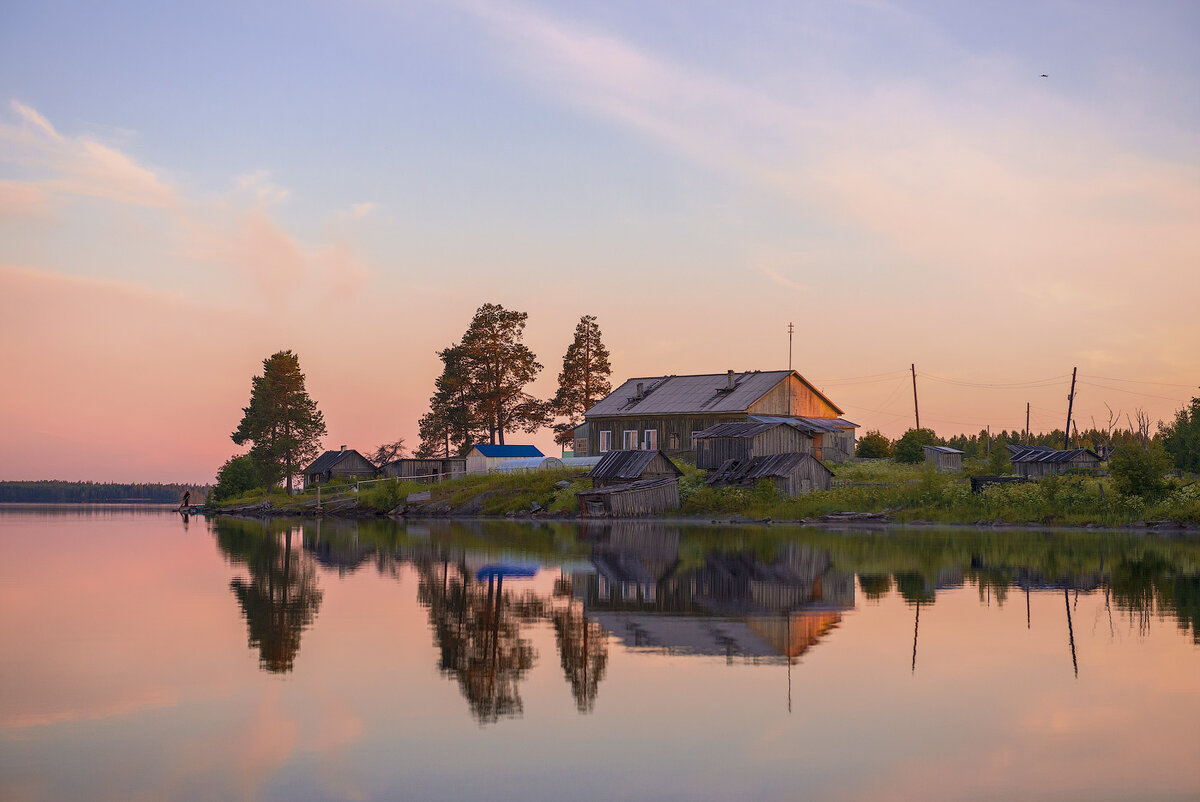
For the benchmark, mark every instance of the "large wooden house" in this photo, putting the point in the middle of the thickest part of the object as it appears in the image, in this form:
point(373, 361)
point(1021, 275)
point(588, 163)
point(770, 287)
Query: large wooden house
point(668, 412)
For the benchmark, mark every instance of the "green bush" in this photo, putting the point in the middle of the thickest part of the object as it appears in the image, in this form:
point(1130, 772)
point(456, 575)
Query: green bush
point(910, 448)
point(873, 445)
point(1140, 470)
point(237, 476)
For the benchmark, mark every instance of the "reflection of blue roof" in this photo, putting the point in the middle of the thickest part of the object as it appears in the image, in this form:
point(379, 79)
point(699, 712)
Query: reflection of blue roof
point(511, 570)
point(509, 451)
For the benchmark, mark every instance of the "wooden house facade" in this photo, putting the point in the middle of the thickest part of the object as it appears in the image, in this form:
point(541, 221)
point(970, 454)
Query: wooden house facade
point(944, 458)
point(792, 474)
point(1034, 462)
point(425, 470)
point(630, 499)
point(343, 465)
point(746, 440)
point(623, 467)
point(667, 412)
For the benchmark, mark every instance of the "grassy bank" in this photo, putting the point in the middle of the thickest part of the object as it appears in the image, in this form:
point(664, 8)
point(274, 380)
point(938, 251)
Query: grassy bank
point(906, 493)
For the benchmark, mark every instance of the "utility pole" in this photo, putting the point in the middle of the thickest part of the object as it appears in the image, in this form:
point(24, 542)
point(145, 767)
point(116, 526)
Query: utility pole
point(791, 328)
point(916, 409)
point(1026, 423)
point(1070, 404)
point(989, 448)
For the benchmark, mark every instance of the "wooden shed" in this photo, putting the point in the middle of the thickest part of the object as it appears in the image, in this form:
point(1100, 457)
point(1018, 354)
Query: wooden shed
point(623, 467)
point(1035, 462)
point(484, 457)
point(792, 474)
point(341, 465)
point(630, 499)
point(425, 470)
point(944, 458)
point(718, 444)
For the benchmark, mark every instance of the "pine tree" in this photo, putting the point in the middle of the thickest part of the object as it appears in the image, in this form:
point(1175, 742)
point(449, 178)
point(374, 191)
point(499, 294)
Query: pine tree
point(584, 378)
point(452, 424)
point(282, 422)
point(498, 366)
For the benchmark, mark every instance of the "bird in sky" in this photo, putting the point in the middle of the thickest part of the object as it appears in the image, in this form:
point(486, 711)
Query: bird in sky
point(1044, 75)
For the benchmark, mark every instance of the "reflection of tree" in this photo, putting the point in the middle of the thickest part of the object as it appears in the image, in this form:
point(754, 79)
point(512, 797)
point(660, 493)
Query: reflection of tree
point(280, 599)
point(584, 650)
point(875, 586)
point(477, 630)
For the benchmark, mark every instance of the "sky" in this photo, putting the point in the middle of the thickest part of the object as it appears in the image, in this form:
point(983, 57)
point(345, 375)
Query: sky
point(187, 188)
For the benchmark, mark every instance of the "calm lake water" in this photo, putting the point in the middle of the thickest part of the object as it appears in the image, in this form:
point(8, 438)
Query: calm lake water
point(145, 657)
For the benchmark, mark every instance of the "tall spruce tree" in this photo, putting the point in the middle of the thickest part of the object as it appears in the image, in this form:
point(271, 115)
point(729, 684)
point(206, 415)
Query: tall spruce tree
point(282, 422)
point(498, 366)
point(584, 378)
point(452, 424)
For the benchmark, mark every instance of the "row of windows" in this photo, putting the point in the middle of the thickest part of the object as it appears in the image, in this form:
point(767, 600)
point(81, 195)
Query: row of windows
point(648, 441)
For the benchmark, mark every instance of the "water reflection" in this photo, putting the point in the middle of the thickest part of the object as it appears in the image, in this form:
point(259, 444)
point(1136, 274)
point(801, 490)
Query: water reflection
point(281, 597)
point(750, 596)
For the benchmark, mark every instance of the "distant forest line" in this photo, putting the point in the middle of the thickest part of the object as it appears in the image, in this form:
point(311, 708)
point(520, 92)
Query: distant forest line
point(59, 492)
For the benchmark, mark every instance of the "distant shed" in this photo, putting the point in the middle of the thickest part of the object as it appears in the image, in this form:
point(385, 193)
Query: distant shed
point(630, 499)
point(425, 470)
point(484, 457)
point(792, 474)
point(944, 458)
point(746, 440)
point(526, 464)
point(345, 464)
point(622, 467)
point(1037, 462)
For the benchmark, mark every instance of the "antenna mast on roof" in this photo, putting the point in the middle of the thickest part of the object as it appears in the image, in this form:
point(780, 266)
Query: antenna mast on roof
point(791, 328)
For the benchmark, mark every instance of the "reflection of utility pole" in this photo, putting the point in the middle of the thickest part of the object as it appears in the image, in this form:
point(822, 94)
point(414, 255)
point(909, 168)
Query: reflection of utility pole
point(1027, 606)
point(916, 626)
point(787, 652)
point(1070, 630)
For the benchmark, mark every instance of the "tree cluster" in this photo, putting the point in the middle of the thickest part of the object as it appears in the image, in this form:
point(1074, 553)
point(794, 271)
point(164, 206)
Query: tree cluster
point(480, 395)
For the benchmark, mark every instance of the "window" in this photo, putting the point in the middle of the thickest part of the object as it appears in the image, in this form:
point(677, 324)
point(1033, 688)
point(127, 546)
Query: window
point(650, 441)
point(631, 440)
point(694, 438)
point(673, 441)
point(605, 441)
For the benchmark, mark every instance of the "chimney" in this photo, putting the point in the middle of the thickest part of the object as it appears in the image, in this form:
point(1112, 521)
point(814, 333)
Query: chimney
point(641, 390)
point(343, 448)
point(731, 381)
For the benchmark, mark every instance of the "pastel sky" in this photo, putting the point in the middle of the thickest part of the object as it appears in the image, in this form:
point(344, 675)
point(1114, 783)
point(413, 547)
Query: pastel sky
point(186, 188)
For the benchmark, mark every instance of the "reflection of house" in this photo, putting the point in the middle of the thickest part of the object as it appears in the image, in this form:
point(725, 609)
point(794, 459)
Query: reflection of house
point(669, 411)
point(425, 470)
point(792, 474)
point(944, 458)
point(343, 465)
point(484, 458)
point(622, 467)
point(1037, 461)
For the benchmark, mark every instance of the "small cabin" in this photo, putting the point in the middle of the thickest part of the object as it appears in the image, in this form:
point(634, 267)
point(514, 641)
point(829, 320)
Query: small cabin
point(944, 458)
point(345, 464)
point(742, 441)
point(425, 470)
point(484, 458)
point(792, 474)
point(623, 467)
point(1036, 462)
point(630, 499)
point(527, 464)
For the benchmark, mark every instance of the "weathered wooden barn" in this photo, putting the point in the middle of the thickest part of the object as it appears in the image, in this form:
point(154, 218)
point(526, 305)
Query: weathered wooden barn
point(944, 458)
point(746, 440)
point(630, 499)
point(342, 465)
point(623, 467)
point(1035, 462)
point(792, 474)
point(484, 458)
point(425, 470)
point(668, 412)
point(527, 464)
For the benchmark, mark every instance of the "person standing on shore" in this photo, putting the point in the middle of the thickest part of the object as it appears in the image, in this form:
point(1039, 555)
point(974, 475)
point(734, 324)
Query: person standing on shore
point(187, 497)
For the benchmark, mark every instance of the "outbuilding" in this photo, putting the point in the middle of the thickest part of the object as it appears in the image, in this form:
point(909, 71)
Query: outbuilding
point(425, 470)
point(944, 458)
point(1036, 462)
point(484, 458)
point(623, 467)
point(630, 499)
point(526, 464)
point(745, 440)
point(342, 465)
point(792, 474)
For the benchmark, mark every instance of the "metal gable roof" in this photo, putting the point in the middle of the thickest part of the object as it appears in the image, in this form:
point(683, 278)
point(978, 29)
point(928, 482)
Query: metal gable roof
point(943, 449)
point(740, 429)
point(627, 464)
point(331, 458)
point(738, 471)
point(489, 450)
point(704, 393)
point(1043, 455)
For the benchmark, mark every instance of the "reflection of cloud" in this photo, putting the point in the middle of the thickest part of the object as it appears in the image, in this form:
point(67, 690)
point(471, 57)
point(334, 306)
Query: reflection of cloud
point(149, 700)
